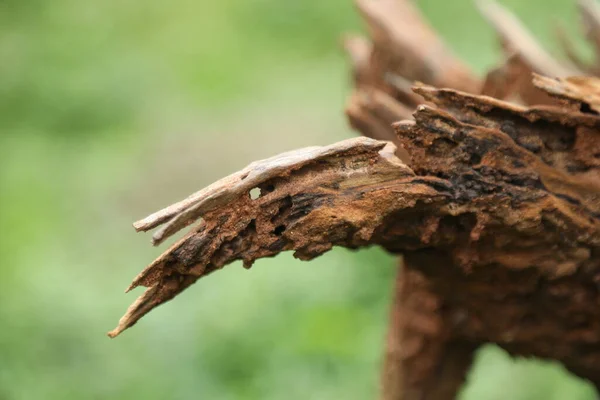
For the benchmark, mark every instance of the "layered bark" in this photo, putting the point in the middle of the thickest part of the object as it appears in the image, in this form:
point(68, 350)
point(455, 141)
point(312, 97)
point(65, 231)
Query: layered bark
point(475, 207)
point(495, 205)
point(551, 134)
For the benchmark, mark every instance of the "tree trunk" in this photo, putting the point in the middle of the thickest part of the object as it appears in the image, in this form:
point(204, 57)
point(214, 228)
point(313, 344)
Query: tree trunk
point(423, 360)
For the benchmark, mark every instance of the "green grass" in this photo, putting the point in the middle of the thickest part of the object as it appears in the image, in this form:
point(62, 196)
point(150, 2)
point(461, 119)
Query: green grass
point(110, 110)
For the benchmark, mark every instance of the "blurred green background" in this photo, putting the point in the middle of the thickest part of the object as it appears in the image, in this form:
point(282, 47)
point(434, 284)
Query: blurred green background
point(112, 109)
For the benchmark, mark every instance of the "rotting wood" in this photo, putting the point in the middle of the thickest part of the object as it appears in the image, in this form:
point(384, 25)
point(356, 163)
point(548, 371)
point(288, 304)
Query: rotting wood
point(472, 196)
point(560, 128)
point(494, 204)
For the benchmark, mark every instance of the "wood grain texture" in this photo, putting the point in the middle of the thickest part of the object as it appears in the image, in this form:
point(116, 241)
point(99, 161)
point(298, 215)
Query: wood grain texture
point(494, 204)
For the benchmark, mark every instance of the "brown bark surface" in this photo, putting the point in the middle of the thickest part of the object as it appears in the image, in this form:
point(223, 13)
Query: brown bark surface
point(475, 208)
point(495, 205)
point(551, 134)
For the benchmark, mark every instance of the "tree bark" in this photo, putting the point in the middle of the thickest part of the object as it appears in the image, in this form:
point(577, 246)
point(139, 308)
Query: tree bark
point(510, 80)
point(494, 205)
point(422, 360)
point(503, 239)
point(476, 208)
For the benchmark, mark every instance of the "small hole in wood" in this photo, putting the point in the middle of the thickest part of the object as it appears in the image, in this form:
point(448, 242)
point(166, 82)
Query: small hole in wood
point(267, 189)
point(475, 159)
point(587, 109)
point(243, 177)
point(279, 230)
point(255, 193)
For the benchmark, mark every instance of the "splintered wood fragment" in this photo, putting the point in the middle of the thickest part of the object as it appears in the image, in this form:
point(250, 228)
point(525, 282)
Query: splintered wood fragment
point(372, 112)
point(518, 39)
point(584, 92)
point(503, 81)
point(406, 45)
point(495, 206)
point(403, 92)
point(463, 104)
point(590, 13)
point(441, 145)
point(301, 196)
point(564, 139)
point(358, 193)
point(362, 120)
point(569, 49)
point(358, 48)
point(179, 215)
point(512, 164)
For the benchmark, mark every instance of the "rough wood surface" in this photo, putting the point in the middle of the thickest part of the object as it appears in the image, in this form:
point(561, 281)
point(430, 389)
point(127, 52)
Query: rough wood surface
point(523, 51)
point(508, 241)
point(422, 360)
point(405, 44)
point(581, 93)
point(472, 196)
point(297, 209)
point(560, 128)
point(590, 13)
point(495, 205)
point(517, 39)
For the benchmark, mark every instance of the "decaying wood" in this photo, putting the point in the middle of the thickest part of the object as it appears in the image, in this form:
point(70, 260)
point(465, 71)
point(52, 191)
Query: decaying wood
point(494, 204)
point(472, 193)
point(517, 39)
point(422, 361)
point(403, 43)
point(474, 208)
point(525, 54)
point(590, 15)
point(548, 130)
point(298, 191)
point(581, 93)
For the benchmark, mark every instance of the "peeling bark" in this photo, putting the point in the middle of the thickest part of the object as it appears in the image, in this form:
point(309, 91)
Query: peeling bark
point(301, 194)
point(560, 129)
point(495, 205)
point(475, 211)
point(473, 201)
